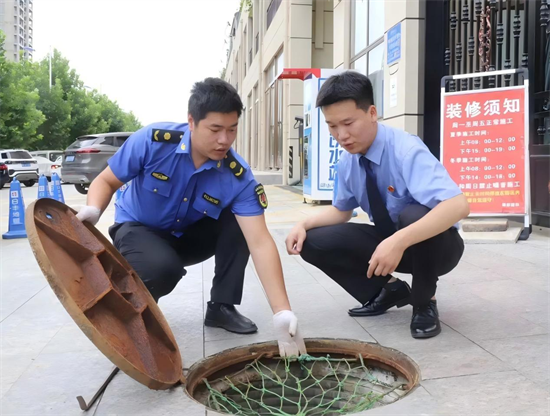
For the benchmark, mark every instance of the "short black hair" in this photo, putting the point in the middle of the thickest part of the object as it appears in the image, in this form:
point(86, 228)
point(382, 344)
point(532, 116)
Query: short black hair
point(213, 95)
point(349, 85)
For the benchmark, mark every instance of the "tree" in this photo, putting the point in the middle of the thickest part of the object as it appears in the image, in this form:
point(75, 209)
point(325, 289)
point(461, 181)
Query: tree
point(19, 116)
point(34, 115)
point(54, 104)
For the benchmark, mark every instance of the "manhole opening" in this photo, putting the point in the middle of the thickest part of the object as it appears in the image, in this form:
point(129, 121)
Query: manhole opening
point(327, 384)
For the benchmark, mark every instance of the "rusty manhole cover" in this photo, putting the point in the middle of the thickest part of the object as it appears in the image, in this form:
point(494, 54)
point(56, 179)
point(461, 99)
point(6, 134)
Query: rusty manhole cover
point(339, 377)
point(103, 294)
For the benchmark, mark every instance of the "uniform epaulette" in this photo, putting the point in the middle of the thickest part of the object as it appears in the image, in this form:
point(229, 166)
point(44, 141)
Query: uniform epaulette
point(236, 167)
point(167, 136)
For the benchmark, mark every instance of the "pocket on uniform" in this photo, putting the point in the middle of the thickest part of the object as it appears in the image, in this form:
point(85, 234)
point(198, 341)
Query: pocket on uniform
point(207, 208)
point(156, 186)
point(396, 204)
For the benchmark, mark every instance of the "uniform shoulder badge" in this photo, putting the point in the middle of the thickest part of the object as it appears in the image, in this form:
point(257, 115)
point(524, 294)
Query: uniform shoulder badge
point(236, 167)
point(167, 136)
point(262, 197)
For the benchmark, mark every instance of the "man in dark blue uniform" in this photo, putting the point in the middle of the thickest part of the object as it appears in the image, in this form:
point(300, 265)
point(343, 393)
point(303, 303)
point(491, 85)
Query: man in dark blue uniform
point(192, 197)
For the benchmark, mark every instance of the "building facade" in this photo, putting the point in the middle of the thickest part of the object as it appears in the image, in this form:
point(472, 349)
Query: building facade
point(16, 21)
point(265, 38)
point(405, 47)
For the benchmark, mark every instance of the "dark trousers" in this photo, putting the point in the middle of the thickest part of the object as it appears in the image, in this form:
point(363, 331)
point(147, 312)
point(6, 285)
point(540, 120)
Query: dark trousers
point(343, 252)
point(160, 259)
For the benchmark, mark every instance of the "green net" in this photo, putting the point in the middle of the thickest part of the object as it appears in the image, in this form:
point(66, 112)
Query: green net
point(304, 386)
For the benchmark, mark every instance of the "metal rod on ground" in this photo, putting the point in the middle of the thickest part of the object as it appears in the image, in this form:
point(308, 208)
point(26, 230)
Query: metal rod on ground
point(81, 400)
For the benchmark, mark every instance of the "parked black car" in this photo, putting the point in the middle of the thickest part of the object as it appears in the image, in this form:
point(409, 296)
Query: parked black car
point(4, 177)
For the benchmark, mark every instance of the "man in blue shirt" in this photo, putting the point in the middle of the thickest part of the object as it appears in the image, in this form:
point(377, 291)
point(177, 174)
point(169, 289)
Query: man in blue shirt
point(192, 197)
point(408, 195)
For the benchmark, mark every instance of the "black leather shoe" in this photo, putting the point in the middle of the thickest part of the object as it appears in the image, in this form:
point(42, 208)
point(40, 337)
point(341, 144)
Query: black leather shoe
point(393, 294)
point(221, 315)
point(425, 321)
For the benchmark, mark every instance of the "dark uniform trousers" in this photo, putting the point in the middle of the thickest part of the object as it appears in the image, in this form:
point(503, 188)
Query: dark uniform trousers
point(159, 258)
point(343, 252)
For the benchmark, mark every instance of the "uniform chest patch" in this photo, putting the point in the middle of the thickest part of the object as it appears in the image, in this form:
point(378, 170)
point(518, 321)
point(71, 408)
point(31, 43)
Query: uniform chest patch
point(211, 199)
point(160, 176)
point(262, 197)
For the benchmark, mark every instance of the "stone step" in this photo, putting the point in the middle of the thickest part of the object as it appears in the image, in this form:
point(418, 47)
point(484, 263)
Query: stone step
point(484, 225)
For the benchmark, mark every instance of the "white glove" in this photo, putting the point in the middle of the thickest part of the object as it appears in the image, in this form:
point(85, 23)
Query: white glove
point(89, 213)
point(288, 335)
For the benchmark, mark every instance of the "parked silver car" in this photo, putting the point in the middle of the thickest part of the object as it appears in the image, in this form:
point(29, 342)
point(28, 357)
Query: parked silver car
point(87, 157)
point(21, 165)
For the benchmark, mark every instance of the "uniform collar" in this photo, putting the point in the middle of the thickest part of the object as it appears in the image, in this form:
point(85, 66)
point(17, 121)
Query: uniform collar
point(217, 165)
point(374, 154)
point(185, 148)
point(185, 143)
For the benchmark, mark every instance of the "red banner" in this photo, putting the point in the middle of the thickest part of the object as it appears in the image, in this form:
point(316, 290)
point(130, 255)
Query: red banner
point(484, 148)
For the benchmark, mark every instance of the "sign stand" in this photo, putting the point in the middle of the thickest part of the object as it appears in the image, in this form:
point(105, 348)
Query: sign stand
point(485, 146)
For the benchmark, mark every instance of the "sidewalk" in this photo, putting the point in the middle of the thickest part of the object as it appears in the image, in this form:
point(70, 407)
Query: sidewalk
point(492, 356)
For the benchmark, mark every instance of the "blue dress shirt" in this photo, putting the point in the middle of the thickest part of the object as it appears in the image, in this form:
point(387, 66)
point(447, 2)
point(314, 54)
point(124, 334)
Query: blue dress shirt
point(406, 173)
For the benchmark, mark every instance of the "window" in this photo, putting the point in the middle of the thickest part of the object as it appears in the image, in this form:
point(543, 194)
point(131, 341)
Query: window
point(20, 154)
point(244, 67)
point(272, 11)
point(110, 141)
point(256, 18)
point(248, 140)
point(236, 73)
point(119, 141)
point(279, 129)
point(240, 144)
point(280, 63)
point(250, 40)
point(376, 19)
point(53, 156)
point(367, 45)
point(276, 68)
point(256, 133)
point(360, 26)
point(83, 141)
point(274, 100)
